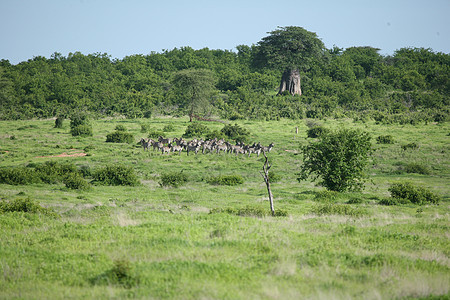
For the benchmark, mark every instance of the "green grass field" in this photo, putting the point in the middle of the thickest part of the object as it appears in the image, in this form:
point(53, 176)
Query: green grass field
point(153, 242)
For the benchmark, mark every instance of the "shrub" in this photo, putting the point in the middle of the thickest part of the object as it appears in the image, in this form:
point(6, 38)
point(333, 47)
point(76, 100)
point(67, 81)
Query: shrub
point(236, 132)
point(116, 175)
point(385, 139)
point(393, 201)
point(173, 179)
point(274, 177)
point(120, 127)
point(52, 172)
point(145, 127)
point(18, 176)
point(417, 168)
point(81, 130)
point(24, 205)
point(76, 182)
point(230, 180)
point(250, 211)
point(155, 133)
point(338, 158)
point(168, 128)
point(215, 134)
point(196, 129)
point(337, 209)
point(411, 146)
point(317, 131)
point(120, 137)
point(78, 119)
point(412, 193)
point(119, 274)
point(59, 122)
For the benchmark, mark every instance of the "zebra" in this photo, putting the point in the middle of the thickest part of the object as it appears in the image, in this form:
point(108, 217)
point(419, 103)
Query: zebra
point(145, 143)
point(176, 148)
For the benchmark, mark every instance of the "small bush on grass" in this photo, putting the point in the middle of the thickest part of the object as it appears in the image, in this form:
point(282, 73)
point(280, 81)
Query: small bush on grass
point(59, 122)
point(115, 175)
point(119, 137)
point(19, 176)
point(119, 274)
point(76, 182)
point(236, 132)
point(145, 128)
point(196, 129)
point(173, 179)
point(410, 146)
point(249, 211)
point(337, 209)
point(230, 180)
point(415, 194)
point(169, 128)
point(215, 134)
point(24, 205)
point(120, 127)
point(385, 139)
point(82, 130)
point(155, 133)
point(317, 131)
point(393, 201)
point(417, 168)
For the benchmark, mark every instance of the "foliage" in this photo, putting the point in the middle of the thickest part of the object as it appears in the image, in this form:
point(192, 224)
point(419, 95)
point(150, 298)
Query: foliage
point(115, 175)
point(385, 139)
point(25, 205)
point(120, 127)
point(174, 179)
point(337, 209)
point(196, 129)
point(82, 130)
point(417, 168)
point(236, 132)
point(168, 128)
point(18, 176)
point(75, 181)
point(155, 133)
point(410, 146)
point(414, 194)
point(230, 180)
point(316, 131)
point(120, 137)
point(120, 274)
point(59, 122)
point(338, 158)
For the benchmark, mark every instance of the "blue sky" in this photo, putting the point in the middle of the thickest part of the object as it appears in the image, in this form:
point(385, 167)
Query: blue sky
point(120, 28)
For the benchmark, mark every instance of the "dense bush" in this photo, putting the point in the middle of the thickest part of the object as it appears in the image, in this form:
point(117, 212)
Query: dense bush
point(115, 175)
point(414, 194)
point(120, 137)
point(76, 182)
point(410, 146)
point(59, 122)
point(339, 158)
point(385, 139)
point(317, 131)
point(155, 133)
point(81, 130)
point(19, 176)
point(417, 168)
point(24, 205)
point(168, 128)
point(236, 132)
point(196, 129)
point(230, 180)
point(120, 127)
point(215, 134)
point(173, 179)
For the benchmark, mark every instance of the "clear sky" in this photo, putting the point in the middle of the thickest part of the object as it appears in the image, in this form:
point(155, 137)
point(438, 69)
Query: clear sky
point(120, 28)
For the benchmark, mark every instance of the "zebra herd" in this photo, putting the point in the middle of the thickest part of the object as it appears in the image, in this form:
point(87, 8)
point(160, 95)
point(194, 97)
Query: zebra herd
point(166, 145)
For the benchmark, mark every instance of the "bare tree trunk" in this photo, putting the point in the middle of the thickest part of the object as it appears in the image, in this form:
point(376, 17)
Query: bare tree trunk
point(290, 81)
point(265, 175)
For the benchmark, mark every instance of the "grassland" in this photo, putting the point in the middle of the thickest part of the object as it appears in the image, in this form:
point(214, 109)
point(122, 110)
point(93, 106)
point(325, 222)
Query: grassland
point(153, 242)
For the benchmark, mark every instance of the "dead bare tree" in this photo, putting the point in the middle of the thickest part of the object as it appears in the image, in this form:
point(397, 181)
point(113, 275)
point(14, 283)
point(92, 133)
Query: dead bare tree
point(265, 174)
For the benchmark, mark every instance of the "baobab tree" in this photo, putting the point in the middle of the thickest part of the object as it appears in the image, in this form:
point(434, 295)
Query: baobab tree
point(291, 50)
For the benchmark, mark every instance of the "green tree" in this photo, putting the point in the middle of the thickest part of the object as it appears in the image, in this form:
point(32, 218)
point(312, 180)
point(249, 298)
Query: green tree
point(196, 86)
point(338, 158)
point(289, 49)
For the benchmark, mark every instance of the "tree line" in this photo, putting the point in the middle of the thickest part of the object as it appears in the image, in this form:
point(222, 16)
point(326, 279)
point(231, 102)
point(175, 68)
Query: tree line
point(245, 83)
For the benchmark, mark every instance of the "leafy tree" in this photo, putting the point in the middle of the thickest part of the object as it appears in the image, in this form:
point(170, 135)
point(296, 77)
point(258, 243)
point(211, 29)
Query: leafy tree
point(338, 158)
point(289, 49)
point(197, 87)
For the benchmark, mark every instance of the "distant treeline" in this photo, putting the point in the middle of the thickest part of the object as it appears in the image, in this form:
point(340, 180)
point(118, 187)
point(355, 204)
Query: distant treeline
point(357, 81)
